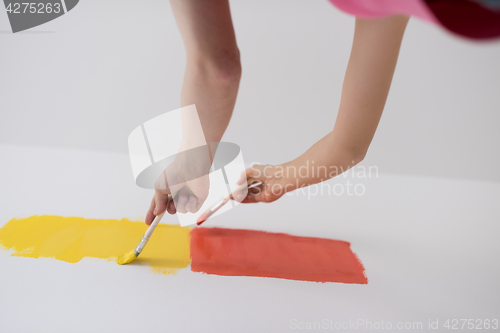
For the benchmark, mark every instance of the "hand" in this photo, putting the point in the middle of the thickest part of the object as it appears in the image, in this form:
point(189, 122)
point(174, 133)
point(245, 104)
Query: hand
point(275, 183)
point(187, 180)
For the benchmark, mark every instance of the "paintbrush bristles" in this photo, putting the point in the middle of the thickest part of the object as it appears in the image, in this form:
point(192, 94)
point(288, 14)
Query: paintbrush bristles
point(131, 255)
point(126, 258)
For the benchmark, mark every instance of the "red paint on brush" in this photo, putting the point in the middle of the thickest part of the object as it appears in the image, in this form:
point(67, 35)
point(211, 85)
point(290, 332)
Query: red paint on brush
point(234, 252)
point(202, 218)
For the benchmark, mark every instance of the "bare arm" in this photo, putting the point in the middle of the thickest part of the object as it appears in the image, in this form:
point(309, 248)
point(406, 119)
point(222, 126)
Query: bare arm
point(211, 82)
point(213, 67)
point(367, 81)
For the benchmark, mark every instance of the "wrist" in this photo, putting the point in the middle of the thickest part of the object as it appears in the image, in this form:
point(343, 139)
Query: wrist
point(288, 176)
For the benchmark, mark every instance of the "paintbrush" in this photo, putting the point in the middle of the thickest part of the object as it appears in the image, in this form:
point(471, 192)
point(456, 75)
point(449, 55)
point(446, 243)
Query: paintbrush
point(209, 212)
point(132, 255)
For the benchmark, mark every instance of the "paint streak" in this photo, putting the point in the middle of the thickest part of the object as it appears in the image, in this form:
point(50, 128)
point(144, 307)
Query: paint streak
point(228, 252)
point(70, 239)
point(256, 253)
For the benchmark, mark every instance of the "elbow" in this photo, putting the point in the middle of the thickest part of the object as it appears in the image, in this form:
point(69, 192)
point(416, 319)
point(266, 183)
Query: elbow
point(221, 67)
point(356, 154)
point(228, 68)
point(359, 156)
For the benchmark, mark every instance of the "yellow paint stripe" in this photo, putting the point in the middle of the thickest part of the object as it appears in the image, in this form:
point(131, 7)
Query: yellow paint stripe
point(70, 239)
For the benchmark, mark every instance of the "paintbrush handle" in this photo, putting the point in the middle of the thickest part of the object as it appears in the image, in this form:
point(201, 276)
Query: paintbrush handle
point(147, 234)
point(209, 212)
point(241, 187)
point(153, 225)
point(157, 220)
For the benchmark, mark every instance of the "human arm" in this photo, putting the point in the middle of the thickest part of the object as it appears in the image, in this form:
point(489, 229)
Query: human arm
point(211, 82)
point(366, 85)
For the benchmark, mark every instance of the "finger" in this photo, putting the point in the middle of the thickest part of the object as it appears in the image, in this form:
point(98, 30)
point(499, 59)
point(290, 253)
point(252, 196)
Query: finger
point(171, 207)
point(199, 204)
point(258, 173)
point(248, 174)
point(254, 195)
point(243, 178)
point(250, 199)
point(161, 199)
point(256, 190)
point(181, 204)
point(191, 204)
point(239, 193)
point(150, 214)
point(239, 196)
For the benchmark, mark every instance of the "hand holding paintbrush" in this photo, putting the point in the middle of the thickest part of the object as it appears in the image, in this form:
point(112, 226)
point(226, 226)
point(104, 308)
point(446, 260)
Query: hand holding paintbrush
point(132, 255)
point(209, 212)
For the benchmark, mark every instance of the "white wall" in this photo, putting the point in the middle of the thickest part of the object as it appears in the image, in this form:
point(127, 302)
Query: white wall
point(87, 79)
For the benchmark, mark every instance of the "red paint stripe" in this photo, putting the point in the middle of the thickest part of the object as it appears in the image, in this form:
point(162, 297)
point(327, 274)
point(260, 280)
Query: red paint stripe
point(234, 252)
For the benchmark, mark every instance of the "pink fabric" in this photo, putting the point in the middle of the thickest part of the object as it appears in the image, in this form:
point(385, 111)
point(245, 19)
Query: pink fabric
point(381, 8)
point(465, 18)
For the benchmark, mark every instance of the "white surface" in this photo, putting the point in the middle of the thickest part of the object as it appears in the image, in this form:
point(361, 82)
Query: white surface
point(430, 248)
point(108, 66)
